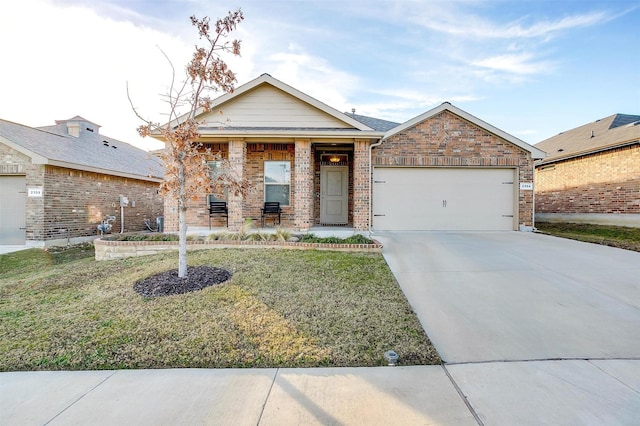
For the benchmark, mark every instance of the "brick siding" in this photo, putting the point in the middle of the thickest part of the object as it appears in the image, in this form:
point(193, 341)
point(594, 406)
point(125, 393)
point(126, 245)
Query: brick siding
point(74, 202)
point(247, 207)
point(605, 183)
point(450, 141)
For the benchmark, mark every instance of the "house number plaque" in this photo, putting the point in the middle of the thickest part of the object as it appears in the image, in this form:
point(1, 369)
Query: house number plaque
point(34, 191)
point(526, 186)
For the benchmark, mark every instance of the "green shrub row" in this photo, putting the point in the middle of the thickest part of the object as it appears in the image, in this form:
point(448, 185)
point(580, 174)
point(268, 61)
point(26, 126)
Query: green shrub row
point(279, 235)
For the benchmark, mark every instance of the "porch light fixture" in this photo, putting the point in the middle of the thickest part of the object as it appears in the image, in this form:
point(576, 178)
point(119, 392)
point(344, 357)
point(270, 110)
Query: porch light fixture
point(334, 159)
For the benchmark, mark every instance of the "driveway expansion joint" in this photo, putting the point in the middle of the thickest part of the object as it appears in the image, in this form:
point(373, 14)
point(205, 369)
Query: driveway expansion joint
point(463, 396)
point(506, 361)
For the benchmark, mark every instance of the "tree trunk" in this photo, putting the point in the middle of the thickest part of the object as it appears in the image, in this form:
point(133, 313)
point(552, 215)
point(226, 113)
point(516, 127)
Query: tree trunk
point(182, 249)
point(182, 223)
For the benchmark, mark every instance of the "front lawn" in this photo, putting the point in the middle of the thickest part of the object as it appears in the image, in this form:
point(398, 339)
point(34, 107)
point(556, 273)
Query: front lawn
point(615, 236)
point(281, 308)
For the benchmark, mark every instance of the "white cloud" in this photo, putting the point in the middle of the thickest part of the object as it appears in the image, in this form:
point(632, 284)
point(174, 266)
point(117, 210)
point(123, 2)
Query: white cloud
point(522, 64)
point(458, 19)
point(314, 76)
point(70, 60)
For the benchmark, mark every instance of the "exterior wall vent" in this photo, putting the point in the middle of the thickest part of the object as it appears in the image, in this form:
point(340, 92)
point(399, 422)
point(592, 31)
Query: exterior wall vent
point(73, 129)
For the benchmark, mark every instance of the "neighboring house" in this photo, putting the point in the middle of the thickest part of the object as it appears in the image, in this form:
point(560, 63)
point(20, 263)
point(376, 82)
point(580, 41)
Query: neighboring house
point(592, 174)
point(443, 170)
point(57, 183)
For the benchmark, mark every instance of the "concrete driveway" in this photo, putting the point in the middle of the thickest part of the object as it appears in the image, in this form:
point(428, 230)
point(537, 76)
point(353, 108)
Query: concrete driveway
point(519, 296)
point(534, 329)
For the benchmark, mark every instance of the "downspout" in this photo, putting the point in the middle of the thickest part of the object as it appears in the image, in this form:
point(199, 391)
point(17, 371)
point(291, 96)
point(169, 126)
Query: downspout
point(371, 183)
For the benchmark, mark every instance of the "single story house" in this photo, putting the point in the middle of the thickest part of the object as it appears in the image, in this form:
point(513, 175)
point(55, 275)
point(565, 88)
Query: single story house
point(442, 170)
point(592, 173)
point(57, 183)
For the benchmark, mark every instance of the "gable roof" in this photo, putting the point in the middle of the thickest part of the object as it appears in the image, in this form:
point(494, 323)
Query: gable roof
point(446, 106)
point(90, 151)
point(330, 122)
point(607, 133)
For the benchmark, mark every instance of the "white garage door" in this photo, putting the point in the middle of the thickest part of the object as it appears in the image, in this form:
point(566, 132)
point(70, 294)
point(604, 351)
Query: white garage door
point(406, 199)
point(12, 210)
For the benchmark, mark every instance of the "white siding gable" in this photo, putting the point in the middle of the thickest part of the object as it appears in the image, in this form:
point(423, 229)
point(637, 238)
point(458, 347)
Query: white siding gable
point(269, 107)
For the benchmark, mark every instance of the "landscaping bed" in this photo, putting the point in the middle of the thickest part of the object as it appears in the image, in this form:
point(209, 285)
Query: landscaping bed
point(120, 246)
point(280, 308)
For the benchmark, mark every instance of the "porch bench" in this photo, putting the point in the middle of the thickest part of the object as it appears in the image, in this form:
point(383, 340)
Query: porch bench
point(272, 208)
point(218, 208)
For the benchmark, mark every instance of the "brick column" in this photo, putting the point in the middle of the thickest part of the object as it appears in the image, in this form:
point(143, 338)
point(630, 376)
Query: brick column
point(237, 160)
point(526, 198)
point(303, 185)
point(361, 185)
point(170, 214)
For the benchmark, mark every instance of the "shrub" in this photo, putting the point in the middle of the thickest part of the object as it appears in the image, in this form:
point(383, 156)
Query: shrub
point(142, 237)
point(354, 239)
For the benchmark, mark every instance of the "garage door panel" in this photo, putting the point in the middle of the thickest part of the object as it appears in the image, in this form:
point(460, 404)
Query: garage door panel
point(443, 199)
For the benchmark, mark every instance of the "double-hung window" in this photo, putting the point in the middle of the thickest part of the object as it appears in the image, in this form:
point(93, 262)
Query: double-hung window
point(277, 181)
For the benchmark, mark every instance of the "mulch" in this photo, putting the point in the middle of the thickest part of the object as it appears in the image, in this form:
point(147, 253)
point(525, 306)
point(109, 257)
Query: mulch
point(168, 283)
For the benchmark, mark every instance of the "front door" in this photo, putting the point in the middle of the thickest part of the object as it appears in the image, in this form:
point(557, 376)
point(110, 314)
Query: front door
point(334, 195)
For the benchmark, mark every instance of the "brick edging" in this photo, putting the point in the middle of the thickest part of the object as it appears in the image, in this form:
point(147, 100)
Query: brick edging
point(105, 250)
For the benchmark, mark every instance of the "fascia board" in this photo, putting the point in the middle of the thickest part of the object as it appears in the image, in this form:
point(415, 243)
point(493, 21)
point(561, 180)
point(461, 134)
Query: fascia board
point(589, 152)
point(292, 133)
point(446, 106)
point(86, 168)
point(35, 157)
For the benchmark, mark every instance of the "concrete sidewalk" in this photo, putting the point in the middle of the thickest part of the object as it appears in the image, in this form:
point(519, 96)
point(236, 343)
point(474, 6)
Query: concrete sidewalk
point(4, 249)
point(315, 396)
point(570, 392)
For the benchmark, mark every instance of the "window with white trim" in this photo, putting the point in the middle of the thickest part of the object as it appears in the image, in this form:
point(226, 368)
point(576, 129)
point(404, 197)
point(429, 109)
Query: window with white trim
point(277, 181)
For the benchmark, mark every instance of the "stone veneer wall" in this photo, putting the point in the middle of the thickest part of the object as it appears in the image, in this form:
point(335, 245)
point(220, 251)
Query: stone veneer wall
point(107, 250)
point(447, 140)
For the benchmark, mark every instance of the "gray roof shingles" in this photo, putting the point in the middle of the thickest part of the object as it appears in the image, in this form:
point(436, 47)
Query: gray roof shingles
point(600, 135)
point(89, 149)
point(375, 123)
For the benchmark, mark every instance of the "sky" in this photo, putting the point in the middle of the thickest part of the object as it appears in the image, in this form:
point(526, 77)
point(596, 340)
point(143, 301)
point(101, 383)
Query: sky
point(530, 68)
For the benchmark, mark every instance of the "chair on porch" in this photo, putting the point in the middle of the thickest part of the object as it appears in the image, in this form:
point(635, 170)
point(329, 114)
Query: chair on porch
point(218, 208)
point(270, 207)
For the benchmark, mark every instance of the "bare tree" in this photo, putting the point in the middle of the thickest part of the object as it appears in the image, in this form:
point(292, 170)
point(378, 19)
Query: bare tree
point(187, 173)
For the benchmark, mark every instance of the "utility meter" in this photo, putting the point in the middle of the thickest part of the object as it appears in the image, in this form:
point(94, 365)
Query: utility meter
point(124, 201)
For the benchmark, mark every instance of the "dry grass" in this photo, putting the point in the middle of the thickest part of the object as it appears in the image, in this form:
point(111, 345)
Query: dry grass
point(281, 308)
point(614, 236)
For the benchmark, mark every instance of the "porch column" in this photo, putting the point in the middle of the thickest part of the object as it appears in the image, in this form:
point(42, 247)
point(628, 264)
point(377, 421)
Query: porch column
point(237, 160)
point(170, 214)
point(303, 186)
point(361, 184)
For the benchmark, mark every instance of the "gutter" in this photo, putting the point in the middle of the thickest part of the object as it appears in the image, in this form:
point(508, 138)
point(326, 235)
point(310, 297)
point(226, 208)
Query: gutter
point(371, 183)
point(588, 152)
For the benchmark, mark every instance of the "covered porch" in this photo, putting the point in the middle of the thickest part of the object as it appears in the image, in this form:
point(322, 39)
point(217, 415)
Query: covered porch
point(322, 183)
